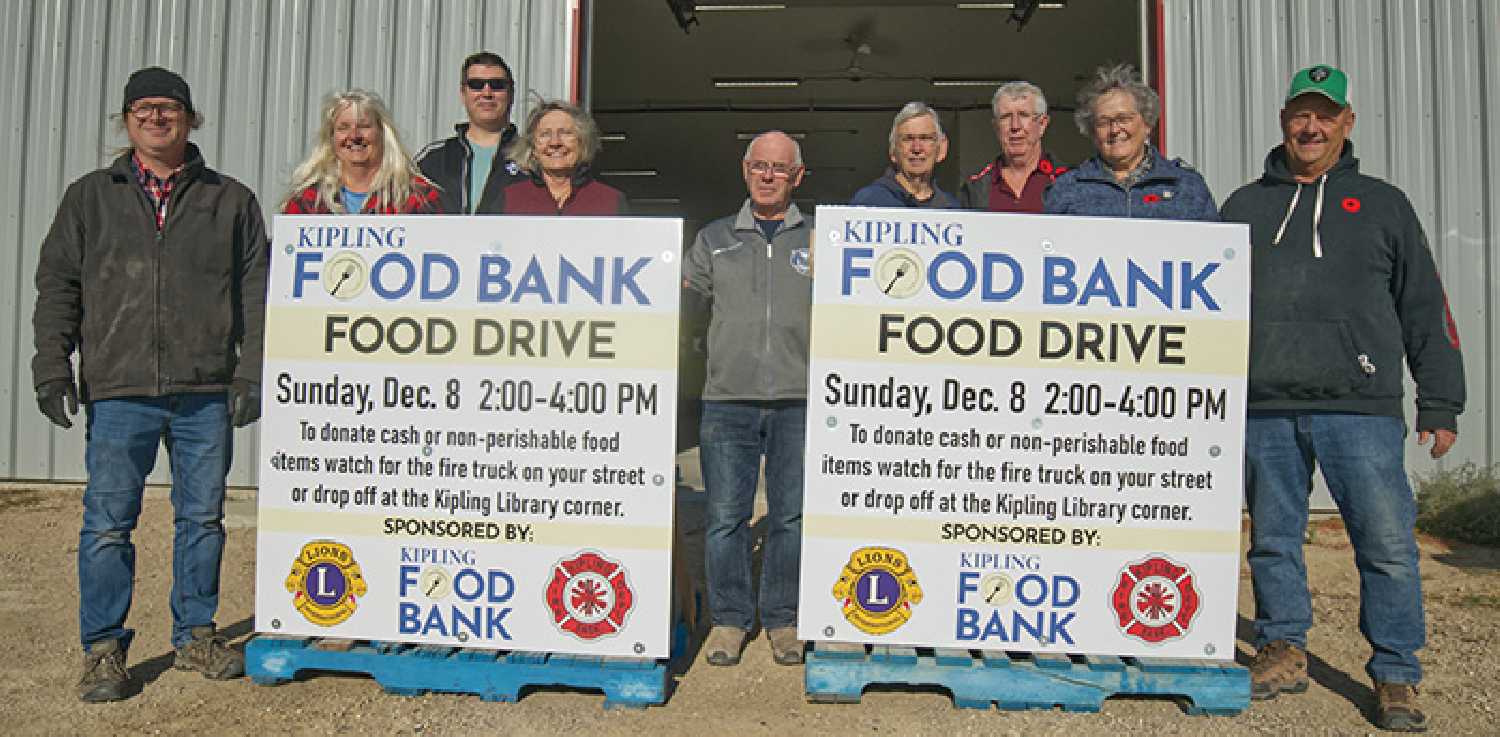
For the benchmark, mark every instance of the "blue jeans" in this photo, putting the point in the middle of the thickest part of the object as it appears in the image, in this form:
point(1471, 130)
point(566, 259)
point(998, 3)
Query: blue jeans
point(1361, 458)
point(733, 437)
point(122, 440)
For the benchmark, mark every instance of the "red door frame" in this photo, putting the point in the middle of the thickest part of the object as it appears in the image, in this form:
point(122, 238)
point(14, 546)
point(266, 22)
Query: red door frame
point(1157, 47)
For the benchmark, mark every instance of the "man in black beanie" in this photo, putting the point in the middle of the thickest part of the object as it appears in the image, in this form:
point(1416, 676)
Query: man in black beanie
point(169, 257)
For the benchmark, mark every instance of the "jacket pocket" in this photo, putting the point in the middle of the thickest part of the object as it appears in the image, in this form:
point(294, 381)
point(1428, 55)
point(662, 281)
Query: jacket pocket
point(1306, 360)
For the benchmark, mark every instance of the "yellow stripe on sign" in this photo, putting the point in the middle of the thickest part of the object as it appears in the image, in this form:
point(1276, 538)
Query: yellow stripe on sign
point(1161, 344)
point(621, 339)
point(456, 530)
point(1020, 534)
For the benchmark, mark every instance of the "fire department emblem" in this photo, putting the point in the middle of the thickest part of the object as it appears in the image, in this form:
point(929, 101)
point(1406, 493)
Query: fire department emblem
point(590, 596)
point(1155, 600)
point(877, 589)
point(325, 582)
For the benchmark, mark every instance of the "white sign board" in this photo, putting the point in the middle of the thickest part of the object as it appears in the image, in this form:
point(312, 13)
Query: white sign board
point(1025, 432)
point(468, 432)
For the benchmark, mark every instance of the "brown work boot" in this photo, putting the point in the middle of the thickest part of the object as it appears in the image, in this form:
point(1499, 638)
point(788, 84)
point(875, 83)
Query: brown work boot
point(723, 645)
point(104, 675)
point(1279, 667)
point(786, 649)
point(1396, 708)
point(208, 654)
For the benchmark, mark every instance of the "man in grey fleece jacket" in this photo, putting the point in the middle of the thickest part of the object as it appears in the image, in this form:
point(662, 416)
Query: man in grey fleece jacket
point(755, 269)
point(1343, 290)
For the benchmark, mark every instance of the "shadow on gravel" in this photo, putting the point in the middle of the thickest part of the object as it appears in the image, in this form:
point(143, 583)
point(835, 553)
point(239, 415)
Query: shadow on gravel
point(147, 671)
point(1470, 557)
point(1354, 691)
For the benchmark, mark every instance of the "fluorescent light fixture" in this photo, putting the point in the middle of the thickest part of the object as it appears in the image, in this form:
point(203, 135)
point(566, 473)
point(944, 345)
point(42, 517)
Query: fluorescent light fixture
point(612, 137)
point(968, 82)
point(629, 173)
point(655, 200)
point(707, 8)
point(1007, 6)
point(743, 83)
point(750, 135)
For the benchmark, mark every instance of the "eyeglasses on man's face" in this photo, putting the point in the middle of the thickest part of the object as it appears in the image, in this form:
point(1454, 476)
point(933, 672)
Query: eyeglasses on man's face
point(147, 110)
point(777, 169)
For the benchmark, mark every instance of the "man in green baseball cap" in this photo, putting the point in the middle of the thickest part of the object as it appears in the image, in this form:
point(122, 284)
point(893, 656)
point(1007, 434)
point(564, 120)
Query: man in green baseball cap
point(1346, 298)
point(1322, 79)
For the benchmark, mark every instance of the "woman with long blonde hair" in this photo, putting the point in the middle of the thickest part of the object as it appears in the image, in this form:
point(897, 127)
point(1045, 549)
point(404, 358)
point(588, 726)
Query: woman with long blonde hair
point(358, 164)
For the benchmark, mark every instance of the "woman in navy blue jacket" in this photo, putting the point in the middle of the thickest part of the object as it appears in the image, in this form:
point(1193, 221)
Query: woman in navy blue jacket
point(1127, 177)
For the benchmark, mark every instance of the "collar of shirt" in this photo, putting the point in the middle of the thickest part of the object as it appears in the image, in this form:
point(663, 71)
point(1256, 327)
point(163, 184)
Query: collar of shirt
point(157, 189)
point(1141, 170)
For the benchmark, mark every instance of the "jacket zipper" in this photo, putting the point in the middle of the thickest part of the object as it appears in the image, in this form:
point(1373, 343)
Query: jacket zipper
point(463, 170)
point(766, 355)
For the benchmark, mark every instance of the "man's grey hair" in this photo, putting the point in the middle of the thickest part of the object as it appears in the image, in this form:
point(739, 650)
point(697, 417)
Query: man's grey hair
point(1108, 79)
point(796, 147)
point(914, 110)
point(1015, 91)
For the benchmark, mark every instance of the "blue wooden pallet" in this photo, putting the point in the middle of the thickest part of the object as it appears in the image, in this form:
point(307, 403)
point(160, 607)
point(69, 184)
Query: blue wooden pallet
point(977, 678)
point(412, 670)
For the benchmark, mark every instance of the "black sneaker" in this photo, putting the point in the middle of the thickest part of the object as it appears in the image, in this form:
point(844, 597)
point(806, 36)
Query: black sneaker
point(104, 675)
point(208, 654)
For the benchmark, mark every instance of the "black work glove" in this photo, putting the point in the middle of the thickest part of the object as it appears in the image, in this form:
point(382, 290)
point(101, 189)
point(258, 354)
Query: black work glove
point(244, 402)
point(50, 396)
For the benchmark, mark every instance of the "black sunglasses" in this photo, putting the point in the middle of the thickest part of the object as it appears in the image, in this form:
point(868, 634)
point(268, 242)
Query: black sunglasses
point(498, 84)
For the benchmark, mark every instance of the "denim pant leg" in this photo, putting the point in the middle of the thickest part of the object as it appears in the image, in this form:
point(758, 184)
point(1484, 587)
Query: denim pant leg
point(786, 430)
point(122, 436)
point(198, 442)
point(730, 440)
point(1278, 477)
point(1362, 460)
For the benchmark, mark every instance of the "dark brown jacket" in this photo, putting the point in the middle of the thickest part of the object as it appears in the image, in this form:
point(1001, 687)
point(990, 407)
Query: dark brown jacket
point(152, 313)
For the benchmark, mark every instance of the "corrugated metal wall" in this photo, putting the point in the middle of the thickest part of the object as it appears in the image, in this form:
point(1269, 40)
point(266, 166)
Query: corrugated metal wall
point(258, 69)
point(1425, 85)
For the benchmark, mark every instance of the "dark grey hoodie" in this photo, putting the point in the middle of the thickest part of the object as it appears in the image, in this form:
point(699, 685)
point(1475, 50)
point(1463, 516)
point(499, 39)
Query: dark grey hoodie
point(1343, 288)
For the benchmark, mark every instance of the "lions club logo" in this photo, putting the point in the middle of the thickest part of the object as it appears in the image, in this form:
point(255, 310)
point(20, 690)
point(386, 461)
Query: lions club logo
point(877, 589)
point(325, 582)
point(589, 596)
point(1155, 600)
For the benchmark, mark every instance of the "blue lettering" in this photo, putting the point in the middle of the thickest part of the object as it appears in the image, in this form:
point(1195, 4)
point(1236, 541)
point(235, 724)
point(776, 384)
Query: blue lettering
point(968, 581)
point(494, 286)
point(302, 271)
point(377, 282)
point(1136, 278)
point(937, 263)
point(1057, 281)
point(431, 260)
point(1193, 284)
point(569, 274)
point(532, 282)
point(992, 260)
point(408, 621)
point(1100, 285)
point(850, 270)
point(626, 280)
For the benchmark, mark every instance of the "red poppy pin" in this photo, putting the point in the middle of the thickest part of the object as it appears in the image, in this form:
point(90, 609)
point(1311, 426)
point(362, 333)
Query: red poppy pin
point(1351, 204)
point(1044, 167)
point(1151, 199)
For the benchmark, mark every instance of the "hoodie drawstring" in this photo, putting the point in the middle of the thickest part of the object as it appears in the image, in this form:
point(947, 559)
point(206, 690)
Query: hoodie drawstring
point(1317, 216)
point(1289, 210)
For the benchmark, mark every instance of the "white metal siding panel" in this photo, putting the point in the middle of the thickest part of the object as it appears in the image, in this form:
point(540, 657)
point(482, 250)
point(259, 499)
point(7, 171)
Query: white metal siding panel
point(258, 71)
point(1425, 84)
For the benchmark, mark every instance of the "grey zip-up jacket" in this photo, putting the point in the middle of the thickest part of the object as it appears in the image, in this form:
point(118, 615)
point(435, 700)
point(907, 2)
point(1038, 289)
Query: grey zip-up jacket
point(761, 294)
point(152, 312)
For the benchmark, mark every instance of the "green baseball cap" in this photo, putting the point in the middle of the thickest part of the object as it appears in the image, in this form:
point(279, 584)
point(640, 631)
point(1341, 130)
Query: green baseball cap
point(1322, 79)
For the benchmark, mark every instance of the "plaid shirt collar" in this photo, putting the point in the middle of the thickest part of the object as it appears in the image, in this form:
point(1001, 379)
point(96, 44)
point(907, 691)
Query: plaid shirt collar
point(158, 190)
point(1141, 170)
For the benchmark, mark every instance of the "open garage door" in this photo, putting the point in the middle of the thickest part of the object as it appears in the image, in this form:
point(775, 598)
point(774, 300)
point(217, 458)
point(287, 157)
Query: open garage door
point(679, 105)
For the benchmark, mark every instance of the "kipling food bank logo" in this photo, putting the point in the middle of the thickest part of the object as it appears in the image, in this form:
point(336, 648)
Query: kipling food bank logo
point(326, 582)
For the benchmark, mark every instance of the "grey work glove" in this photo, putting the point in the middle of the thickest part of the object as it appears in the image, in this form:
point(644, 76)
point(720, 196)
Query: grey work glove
point(50, 396)
point(244, 402)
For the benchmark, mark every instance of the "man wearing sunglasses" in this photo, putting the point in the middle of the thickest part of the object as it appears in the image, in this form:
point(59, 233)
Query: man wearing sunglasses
point(154, 271)
point(754, 269)
point(471, 167)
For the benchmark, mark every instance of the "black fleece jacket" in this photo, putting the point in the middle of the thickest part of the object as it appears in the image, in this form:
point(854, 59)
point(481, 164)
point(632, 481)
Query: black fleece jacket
point(1343, 288)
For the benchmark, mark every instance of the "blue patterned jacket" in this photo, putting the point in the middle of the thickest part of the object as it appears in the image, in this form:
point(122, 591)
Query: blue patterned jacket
point(1170, 190)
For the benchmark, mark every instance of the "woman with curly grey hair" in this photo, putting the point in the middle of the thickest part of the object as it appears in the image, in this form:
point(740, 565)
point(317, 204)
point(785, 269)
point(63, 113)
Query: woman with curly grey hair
point(1127, 176)
point(554, 155)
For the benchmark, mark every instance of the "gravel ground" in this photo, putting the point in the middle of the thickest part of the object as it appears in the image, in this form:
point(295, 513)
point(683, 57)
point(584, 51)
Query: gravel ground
point(38, 604)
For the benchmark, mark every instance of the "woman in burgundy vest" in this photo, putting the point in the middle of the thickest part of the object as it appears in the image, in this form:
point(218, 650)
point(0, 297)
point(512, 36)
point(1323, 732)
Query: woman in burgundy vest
point(555, 154)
